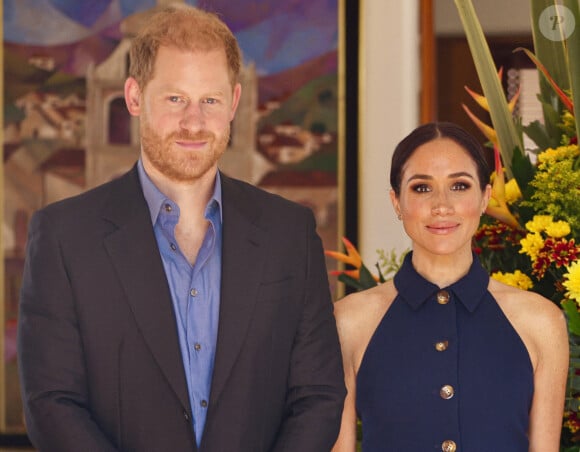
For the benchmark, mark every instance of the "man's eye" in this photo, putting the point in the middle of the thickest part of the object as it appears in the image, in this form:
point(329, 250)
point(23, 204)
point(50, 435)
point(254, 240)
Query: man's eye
point(210, 100)
point(174, 99)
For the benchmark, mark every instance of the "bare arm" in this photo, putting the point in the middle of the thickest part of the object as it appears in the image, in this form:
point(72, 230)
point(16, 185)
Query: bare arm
point(549, 380)
point(347, 437)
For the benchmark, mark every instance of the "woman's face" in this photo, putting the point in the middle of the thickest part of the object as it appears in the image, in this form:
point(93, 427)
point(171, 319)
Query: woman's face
point(440, 199)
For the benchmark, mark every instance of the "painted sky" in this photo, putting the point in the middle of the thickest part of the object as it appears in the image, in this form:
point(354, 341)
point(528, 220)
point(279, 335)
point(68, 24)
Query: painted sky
point(274, 34)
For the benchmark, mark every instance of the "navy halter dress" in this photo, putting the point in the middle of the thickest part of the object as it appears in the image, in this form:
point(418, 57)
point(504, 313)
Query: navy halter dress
point(444, 371)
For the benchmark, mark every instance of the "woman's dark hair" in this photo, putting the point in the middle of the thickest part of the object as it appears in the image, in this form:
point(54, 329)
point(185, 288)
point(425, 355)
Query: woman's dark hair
point(429, 132)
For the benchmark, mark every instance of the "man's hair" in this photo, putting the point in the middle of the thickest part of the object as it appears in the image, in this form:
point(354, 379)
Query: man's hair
point(187, 28)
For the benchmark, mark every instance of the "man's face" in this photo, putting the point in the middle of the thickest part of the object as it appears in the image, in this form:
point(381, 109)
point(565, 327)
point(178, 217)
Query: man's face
point(185, 112)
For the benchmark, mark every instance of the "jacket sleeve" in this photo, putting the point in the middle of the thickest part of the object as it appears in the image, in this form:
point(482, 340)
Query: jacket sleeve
point(50, 350)
point(316, 388)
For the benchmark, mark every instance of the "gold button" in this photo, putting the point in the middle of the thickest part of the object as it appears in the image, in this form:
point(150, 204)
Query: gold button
point(442, 297)
point(448, 446)
point(446, 392)
point(441, 346)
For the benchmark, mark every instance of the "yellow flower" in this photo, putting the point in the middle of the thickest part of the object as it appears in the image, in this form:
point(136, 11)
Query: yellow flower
point(497, 206)
point(539, 223)
point(515, 279)
point(558, 229)
point(531, 245)
point(572, 281)
point(512, 191)
point(552, 155)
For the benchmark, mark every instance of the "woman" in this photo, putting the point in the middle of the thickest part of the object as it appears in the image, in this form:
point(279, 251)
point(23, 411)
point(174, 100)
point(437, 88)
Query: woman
point(443, 358)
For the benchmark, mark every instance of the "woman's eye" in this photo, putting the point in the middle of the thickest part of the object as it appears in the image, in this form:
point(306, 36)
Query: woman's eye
point(460, 186)
point(421, 188)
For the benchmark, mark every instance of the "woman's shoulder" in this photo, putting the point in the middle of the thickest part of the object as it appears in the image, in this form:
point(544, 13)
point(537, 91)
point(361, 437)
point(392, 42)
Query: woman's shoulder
point(358, 315)
point(540, 323)
point(527, 304)
point(358, 306)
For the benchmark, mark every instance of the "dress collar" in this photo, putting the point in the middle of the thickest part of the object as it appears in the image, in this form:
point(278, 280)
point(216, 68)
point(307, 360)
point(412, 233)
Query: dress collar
point(416, 290)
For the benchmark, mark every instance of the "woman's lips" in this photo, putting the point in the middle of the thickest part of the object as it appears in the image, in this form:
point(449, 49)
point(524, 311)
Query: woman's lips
point(442, 228)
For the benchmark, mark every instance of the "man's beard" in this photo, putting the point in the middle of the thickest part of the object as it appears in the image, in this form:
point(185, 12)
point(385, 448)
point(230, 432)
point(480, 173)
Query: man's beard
point(182, 165)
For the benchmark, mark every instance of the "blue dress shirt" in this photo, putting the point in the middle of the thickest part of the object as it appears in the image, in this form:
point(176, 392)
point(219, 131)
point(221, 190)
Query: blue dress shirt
point(195, 291)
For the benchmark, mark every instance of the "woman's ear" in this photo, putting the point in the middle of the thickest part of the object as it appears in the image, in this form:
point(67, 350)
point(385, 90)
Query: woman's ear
point(395, 202)
point(133, 96)
point(486, 198)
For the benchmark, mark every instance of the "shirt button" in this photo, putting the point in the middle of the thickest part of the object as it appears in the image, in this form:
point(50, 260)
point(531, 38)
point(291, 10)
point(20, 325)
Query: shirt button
point(442, 297)
point(172, 246)
point(448, 446)
point(446, 392)
point(203, 403)
point(441, 346)
point(197, 347)
point(168, 208)
point(193, 292)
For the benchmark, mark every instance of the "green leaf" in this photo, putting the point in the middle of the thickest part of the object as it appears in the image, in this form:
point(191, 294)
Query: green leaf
point(503, 123)
point(573, 316)
point(523, 170)
point(365, 281)
point(553, 56)
point(538, 133)
point(350, 282)
point(381, 276)
point(366, 278)
point(573, 53)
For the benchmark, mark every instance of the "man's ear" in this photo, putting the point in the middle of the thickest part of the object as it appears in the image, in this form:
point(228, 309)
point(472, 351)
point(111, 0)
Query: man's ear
point(237, 93)
point(133, 96)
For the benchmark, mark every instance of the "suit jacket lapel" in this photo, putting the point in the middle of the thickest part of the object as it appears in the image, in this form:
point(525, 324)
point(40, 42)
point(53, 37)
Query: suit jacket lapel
point(135, 256)
point(243, 245)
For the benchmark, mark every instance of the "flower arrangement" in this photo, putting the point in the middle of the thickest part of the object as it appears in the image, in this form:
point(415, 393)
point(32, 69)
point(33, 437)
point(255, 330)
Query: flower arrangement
point(528, 238)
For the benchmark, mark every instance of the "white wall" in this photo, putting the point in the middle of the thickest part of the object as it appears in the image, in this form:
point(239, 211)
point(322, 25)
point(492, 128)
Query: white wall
point(389, 109)
point(496, 16)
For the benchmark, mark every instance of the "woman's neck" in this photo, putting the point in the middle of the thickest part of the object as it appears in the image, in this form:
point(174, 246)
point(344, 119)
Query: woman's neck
point(442, 270)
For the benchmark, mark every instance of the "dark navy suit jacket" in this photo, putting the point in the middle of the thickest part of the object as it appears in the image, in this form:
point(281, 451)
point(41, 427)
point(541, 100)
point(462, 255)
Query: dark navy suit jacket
point(99, 355)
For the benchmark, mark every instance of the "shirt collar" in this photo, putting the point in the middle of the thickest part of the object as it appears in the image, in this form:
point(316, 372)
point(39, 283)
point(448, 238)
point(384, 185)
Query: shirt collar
point(416, 290)
point(155, 198)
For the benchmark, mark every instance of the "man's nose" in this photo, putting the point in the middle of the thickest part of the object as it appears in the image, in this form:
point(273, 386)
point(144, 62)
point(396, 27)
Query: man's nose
point(193, 118)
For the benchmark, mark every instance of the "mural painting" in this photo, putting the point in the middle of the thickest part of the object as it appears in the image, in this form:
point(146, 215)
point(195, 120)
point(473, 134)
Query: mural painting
point(66, 128)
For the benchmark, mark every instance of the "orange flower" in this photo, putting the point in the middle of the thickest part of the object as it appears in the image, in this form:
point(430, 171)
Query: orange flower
point(352, 257)
point(487, 130)
point(566, 100)
point(362, 277)
point(355, 274)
